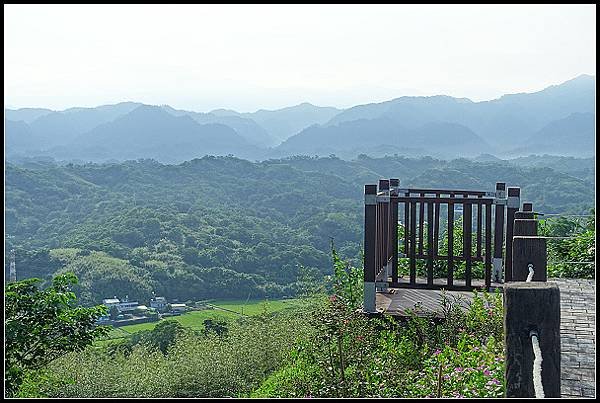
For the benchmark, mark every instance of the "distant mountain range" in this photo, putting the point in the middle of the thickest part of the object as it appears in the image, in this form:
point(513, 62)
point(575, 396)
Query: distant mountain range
point(558, 120)
point(286, 122)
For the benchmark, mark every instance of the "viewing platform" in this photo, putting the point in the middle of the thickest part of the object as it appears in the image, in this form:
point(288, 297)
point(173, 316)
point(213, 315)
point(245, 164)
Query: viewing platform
point(400, 301)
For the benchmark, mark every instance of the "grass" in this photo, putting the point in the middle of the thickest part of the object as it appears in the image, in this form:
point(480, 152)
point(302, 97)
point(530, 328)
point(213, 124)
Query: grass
point(232, 309)
point(255, 307)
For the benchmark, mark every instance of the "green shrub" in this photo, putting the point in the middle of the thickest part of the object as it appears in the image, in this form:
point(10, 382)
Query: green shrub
point(353, 356)
point(574, 256)
point(196, 365)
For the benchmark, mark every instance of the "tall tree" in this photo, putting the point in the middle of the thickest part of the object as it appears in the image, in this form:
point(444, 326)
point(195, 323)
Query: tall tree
point(43, 324)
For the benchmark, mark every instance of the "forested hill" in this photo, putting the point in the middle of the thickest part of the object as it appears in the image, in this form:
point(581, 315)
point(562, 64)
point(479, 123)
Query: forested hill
point(222, 226)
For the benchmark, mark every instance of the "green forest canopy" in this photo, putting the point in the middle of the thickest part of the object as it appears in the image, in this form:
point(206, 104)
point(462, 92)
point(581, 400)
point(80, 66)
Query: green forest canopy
point(222, 226)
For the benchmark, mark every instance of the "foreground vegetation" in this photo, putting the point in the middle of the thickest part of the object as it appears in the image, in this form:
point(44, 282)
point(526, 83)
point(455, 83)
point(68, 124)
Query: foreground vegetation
point(322, 347)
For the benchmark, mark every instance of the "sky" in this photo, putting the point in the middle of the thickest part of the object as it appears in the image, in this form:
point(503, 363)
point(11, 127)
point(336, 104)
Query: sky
point(250, 57)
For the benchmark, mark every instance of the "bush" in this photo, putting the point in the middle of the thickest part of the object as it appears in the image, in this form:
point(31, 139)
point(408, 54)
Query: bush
point(573, 257)
point(196, 365)
point(353, 356)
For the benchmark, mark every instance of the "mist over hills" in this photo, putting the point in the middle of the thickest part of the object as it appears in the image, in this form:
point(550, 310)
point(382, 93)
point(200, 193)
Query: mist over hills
point(558, 120)
point(286, 122)
point(573, 135)
point(151, 132)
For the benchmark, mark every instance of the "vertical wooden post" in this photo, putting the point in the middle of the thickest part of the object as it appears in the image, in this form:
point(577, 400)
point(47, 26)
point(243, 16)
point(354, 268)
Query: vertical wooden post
point(529, 250)
point(467, 240)
point(479, 223)
point(531, 307)
point(436, 228)
point(421, 220)
point(413, 244)
point(488, 246)
point(394, 185)
point(384, 190)
point(406, 225)
point(450, 280)
point(513, 203)
point(500, 202)
point(430, 243)
point(525, 224)
point(369, 248)
point(377, 236)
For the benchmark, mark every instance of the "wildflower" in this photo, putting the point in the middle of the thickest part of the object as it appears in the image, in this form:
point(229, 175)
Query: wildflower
point(437, 352)
point(458, 369)
point(475, 348)
point(490, 312)
point(487, 372)
point(332, 298)
point(494, 381)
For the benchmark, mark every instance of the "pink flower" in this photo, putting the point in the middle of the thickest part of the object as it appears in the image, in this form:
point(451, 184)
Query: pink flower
point(437, 352)
point(487, 372)
point(332, 298)
point(458, 369)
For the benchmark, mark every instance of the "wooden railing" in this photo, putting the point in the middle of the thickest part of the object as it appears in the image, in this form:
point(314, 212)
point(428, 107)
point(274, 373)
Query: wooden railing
point(419, 212)
point(531, 304)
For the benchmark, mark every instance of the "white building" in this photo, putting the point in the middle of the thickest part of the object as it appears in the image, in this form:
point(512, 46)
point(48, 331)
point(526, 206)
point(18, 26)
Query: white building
point(122, 306)
point(158, 303)
point(127, 306)
point(178, 307)
point(110, 302)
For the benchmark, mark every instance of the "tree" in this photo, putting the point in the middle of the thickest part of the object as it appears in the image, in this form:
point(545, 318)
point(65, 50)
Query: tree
point(162, 336)
point(575, 255)
point(347, 280)
point(114, 312)
point(217, 326)
point(44, 324)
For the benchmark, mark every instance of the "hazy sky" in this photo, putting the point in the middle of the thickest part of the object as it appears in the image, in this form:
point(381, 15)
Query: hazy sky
point(247, 57)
